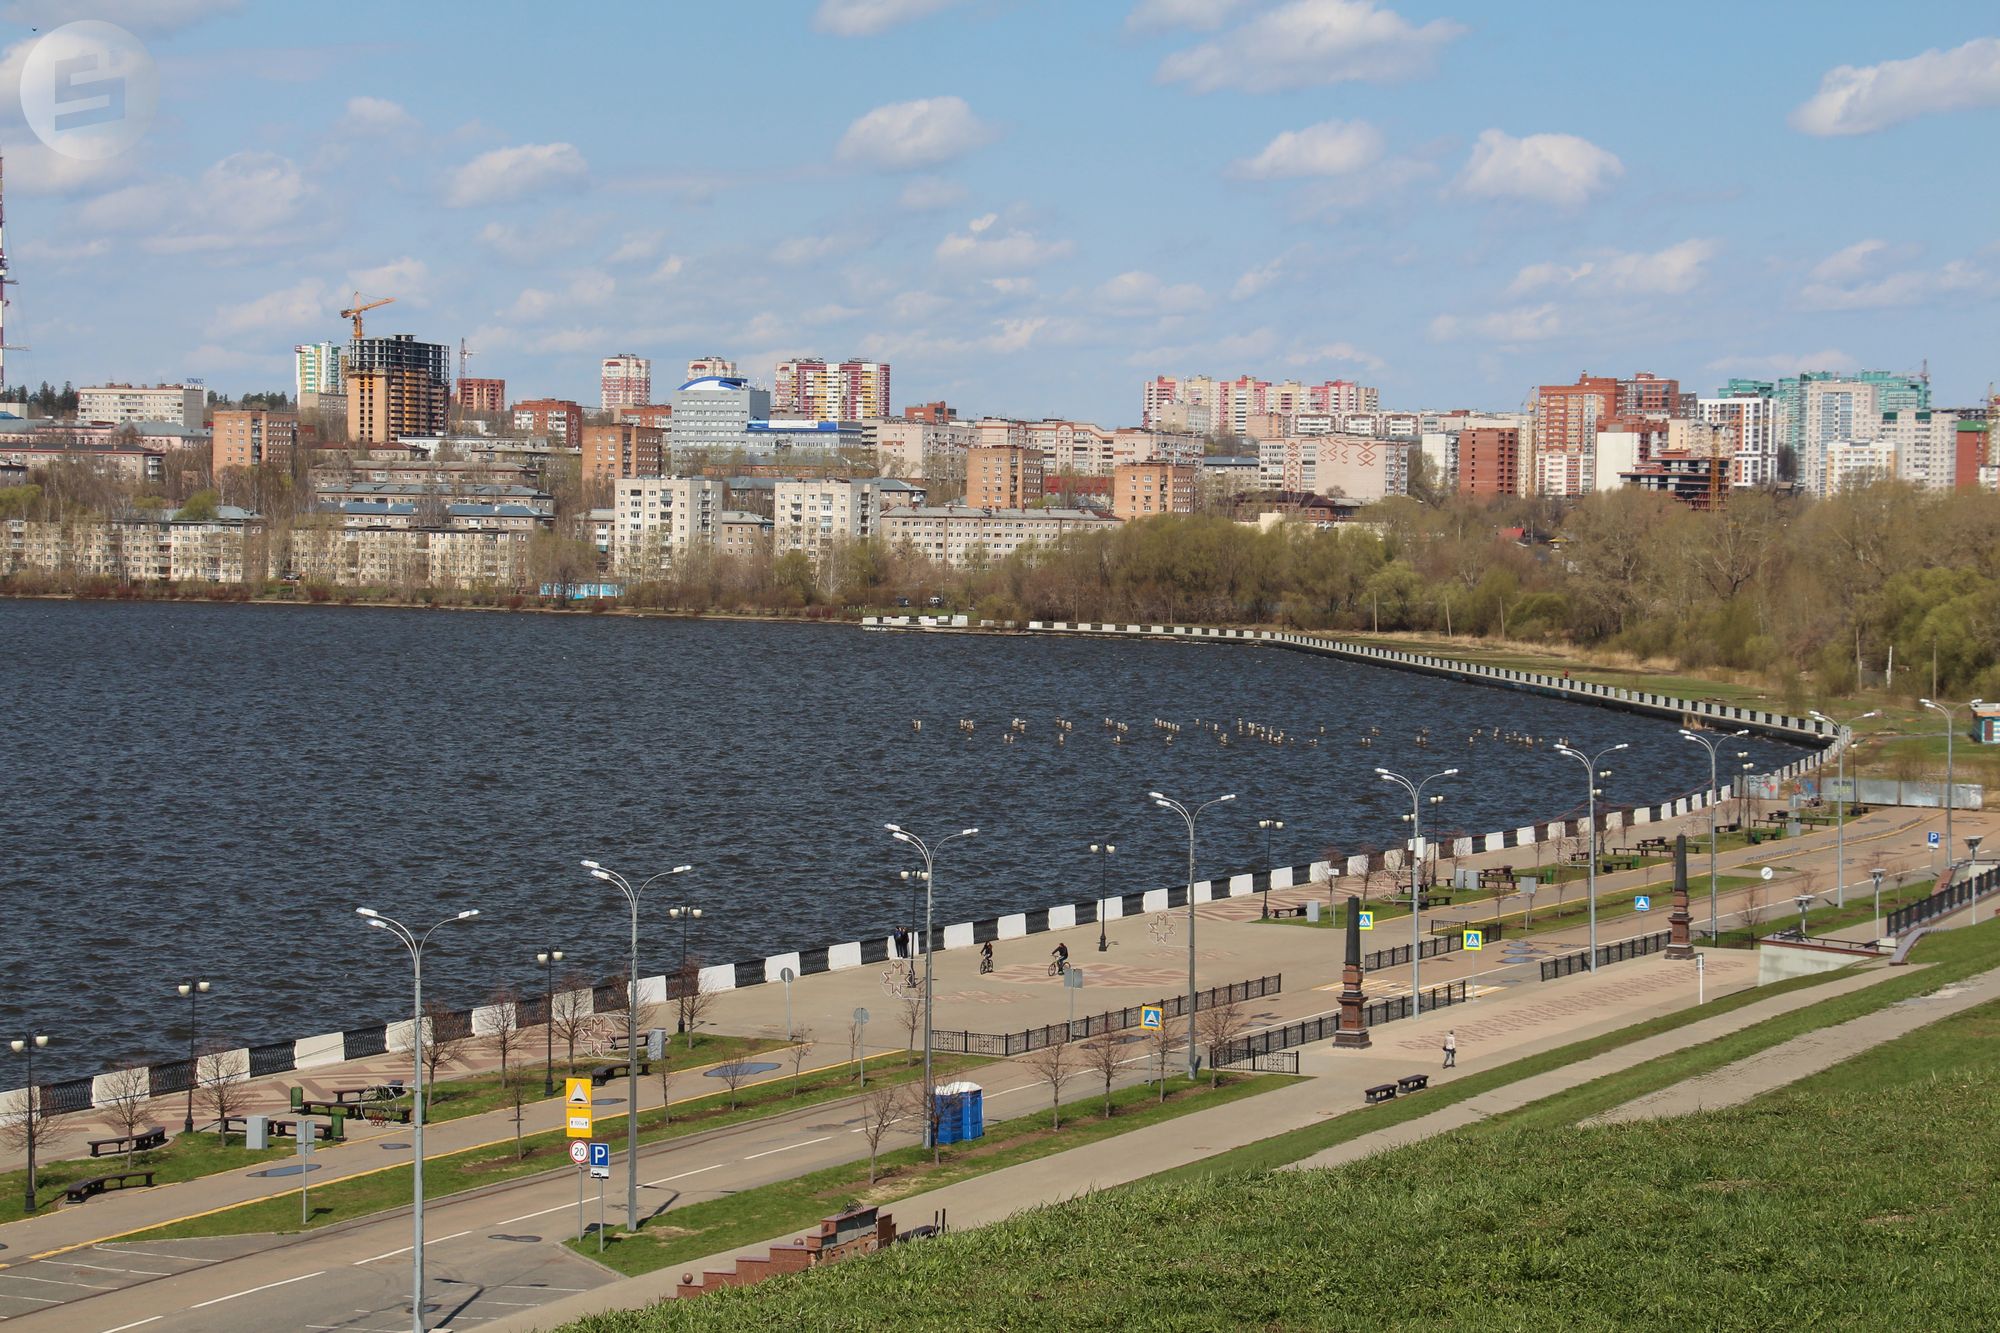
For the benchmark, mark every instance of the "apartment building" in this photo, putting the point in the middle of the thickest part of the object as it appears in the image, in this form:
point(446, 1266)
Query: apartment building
point(1003, 476)
point(1489, 461)
point(844, 391)
point(1567, 419)
point(556, 419)
point(482, 396)
point(138, 550)
point(958, 535)
point(396, 386)
point(251, 439)
point(1750, 418)
point(705, 367)
point(411, 557)
point(742, 536)
point(920, 450)
point(624, 381)
point(182, 404)
point(623, 450)
point(816, 513)
point(1357, 467)
point(316, 371)
point(1140, 490)
point(657, 521)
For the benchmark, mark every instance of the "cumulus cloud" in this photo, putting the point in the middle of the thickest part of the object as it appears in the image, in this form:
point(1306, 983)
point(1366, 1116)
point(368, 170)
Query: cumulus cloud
point(1669, 272)
point(586, 290)
point(865, 18)
point(1311, 42)
point(303, 305)
point(1338, 352)
point(983, 245)
point(929, 192)
point(512, 173)
point(1559, 169)
point(1202, 15)
point(1258, 279)
point(808, 249)
point(1521, 324)
point(1864, 276)
point(407, 279)
point(1865, 98)
point(1330, 148)
point(1141, 293)
point(246, 199)
point(911, 136)
point(635, 246)
point(375, 115)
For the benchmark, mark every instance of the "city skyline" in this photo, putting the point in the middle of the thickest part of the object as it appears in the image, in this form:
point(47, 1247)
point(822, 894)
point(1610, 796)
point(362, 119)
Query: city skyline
point(1453, 206)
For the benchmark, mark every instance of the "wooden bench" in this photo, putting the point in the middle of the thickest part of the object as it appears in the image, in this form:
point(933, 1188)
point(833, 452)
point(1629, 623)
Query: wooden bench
point(375, 1113)
point(1502, 876)
point(140, 1142)
point(604, 1073)
point(83, 1190)
point(1381, 1092)
point(1413, 1082)
point(375, 1092)
point(1298, 911)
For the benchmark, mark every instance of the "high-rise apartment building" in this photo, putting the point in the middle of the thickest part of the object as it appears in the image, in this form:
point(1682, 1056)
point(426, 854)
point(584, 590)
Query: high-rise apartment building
point(558, 419)
point(816, 391)
point(1140, 490)
point(396, 386)
point(623, 451)
point(487, 396)
point(1895, 391)
point(1750, 418)
point(657, 521)
point(1838, 412)
point(812, 514)
point(1567, 417)
point(182, 404)
point(1926, 445)
point(1489, 461)
point(703, 367)
point(1227, 405)
point(316, 369)
point(1003, 476)
point(1647, 395)
point(624, 381)
point(936, 414)
point(252, 437)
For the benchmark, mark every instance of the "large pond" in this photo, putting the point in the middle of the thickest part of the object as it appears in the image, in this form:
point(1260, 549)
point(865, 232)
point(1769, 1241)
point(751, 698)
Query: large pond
point(199, 790)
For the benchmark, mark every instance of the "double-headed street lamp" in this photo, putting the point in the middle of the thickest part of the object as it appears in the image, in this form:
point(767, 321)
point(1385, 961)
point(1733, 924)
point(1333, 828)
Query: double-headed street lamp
point(548, 958)
point(30, 1111)
point(1190, 816)
point(415, 944)
point(1103, 851)
point(929, 853)
point(631, 1031)
point(193, 990)
point(1416, 818)
point(913, 878)
point(1846, 735)
point(687, 916)
point(1708, 743)
point(1268, 825)
point(1592, 773)
point(1950, 712)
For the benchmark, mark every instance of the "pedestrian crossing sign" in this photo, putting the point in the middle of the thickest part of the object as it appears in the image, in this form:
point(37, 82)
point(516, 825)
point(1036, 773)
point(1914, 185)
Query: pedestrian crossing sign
point(1150, 1017)
point(1475, 940)
point(1642, 903)
point(577, 1111)
point(1367, 920)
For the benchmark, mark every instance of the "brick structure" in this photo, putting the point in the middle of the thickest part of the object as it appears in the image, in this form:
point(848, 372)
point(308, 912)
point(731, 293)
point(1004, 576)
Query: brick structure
point(623, 450)
point(1005, 476)
point(855, 1232)
point(1678, 943)
point(1353, 1032)
point(1489, 461)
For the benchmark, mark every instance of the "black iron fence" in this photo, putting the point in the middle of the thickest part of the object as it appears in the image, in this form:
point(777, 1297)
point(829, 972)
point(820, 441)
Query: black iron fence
point(1323, 1027)
point(1271, 1062)
point(1115, 1020)
point(1399, 956)
point(1637, 947)
point(1946, 900)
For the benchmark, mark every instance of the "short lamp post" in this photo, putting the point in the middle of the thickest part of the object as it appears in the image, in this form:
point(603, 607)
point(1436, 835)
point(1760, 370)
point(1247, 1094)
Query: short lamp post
point(1189, 814)
point(30, 1108)
point(929, 854)
point(1803, 902)
point(415, 944)
point(1269, 826)
point(1592, 773)
point(1103, 851)
point(1950, 712)
point(1416, 818)
point(687, 916)
point(1876, 875)
point(192, 991)
point(1846, 733)
point(548, 958)
point(1972, 869)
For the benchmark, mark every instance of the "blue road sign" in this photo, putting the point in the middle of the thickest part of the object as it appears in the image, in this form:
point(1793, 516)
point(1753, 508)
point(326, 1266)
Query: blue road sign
point(1643, 903)
point(1367, 920)
point(1475, 940)
point(600, 1154)
point(1935, 837)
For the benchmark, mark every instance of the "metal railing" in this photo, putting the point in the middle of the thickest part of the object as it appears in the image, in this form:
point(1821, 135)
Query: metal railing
point(1270, 1062)
point(1114, 1020)
point(1946, 900)
point(1399, 956)
point(1618, 952)
point(1323, 1027)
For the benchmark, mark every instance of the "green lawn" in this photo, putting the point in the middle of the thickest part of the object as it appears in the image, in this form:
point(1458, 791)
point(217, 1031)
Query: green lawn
point(184, 1158)
point(793, 1205)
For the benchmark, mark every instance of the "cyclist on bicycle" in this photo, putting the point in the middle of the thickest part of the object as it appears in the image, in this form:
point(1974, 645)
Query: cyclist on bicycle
point(986, 957)
point(1061, 954)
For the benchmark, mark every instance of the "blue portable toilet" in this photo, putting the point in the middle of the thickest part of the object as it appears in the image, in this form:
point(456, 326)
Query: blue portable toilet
point(961, 1112)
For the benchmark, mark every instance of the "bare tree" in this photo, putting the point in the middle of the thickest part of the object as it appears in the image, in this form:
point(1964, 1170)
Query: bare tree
point(880, 1112)
point(692, 999)
point(912, 1014)
point(503, 1035)
point(1055, 1065)
point(802, 1049)
point(1219, 1025)
point(573, 1019)
point(26, 1123)
point(128, 1103)
point(221, 1076)
point(445, 1033)
point(663, 1070)
point(519, 1092)
point(733, 1075)
point(1104, 1056)
point(1161, 1043)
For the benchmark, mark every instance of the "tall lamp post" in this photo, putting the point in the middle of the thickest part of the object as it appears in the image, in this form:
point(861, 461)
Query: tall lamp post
point(1950, 712)
point(687, 916)
point(193, 990)
point(30, 1119)
point(631, 1031)
point(1846, 730)
point(415, 943)
point(1268, 825)
point(1103, 851)
point(913, 878)
point(929, 853)
point(548, 958)
point(1417, 798)
point(1708, 743)
point(1190, 816)
point(1591, 774)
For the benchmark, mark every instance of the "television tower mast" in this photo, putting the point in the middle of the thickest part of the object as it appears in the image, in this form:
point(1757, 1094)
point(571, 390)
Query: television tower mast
point(5, 283)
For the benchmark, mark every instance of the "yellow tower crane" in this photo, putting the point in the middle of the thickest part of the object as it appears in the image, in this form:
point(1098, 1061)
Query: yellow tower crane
point(353, 312)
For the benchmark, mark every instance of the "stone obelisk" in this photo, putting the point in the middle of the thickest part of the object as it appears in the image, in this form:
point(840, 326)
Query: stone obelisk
point(1678, 945)
point(1352, 1034)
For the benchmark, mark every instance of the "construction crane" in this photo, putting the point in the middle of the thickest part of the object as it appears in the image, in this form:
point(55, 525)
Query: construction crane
point(353, 312)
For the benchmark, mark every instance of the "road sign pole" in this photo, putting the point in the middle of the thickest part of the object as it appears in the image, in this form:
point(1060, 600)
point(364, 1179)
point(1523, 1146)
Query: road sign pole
point(579, 1203)
point(600, 1214)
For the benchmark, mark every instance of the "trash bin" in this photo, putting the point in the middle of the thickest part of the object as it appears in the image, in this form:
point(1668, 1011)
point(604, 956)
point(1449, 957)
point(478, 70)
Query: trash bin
point(298, 1098)
point(961, 1112)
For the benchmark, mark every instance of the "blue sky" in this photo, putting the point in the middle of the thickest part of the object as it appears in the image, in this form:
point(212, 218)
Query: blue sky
point(1028, 207)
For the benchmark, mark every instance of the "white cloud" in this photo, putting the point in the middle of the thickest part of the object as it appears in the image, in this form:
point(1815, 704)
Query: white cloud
point(1310, 42)
point(1257, 279)
point(669, 268)
point(589, 289)
point(1866, 98)
point(1140, 293)
point(1229, 349)
point(1521, 324)
point(1330, 148)
point(1012, 288)
point(865, 18)
point(35, 170)
point(246, 199)
point(148, 16)
point(1669, 272)
point(534, 239)
point(1201, 15)
point(980, 245)
point(1862, 277)
point(1851, 263)
point(927, 193)
point(1345, 352)
point(809, 249)
point(635, 246)
point(407, 279)
point(375, 115)
point(1559, 169)
point(1782, 364)
point(299, 308)
point(910, 136)
point(511, 173)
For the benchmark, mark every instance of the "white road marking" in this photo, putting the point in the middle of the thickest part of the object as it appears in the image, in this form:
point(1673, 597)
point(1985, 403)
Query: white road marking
point(148, 1254)
point(668, 1180)
point(202, 1305)
point(136, 1324)
point(39, 1300)
point(56, 1282)
point(787, 1148)
point(435, 1240)
point(522, 1218)
point(100, 1268)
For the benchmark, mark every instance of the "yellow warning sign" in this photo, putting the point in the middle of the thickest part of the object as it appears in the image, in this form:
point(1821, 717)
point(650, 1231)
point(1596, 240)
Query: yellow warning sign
point(577, 1108)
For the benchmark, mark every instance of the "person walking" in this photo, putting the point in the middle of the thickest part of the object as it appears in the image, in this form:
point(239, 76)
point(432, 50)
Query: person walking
point(1451, 1049)
point(902, 946)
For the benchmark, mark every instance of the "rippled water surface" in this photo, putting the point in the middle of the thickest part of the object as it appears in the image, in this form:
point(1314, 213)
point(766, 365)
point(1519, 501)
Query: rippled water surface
point(213, 790)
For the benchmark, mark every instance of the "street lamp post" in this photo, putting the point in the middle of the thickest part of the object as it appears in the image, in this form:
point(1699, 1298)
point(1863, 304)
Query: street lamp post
point(686, 915)
point(1876, 875)
point(913, 878)
point(30, 1119)
point(1709, 743)
point(1972, 867)
point(1103, 851)
point(624, 886)
point(1846, 732)
point(548, 958)
point(1591, 774)
point(1416, 818)
point(929, 853)
point(415, 944)
point(1950, 712)
point(1268, 825)
point(1189, 816)
point(193, 990)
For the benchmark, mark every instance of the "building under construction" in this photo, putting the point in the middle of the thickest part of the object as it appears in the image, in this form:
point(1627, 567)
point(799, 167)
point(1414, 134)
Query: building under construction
point(396, 386)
